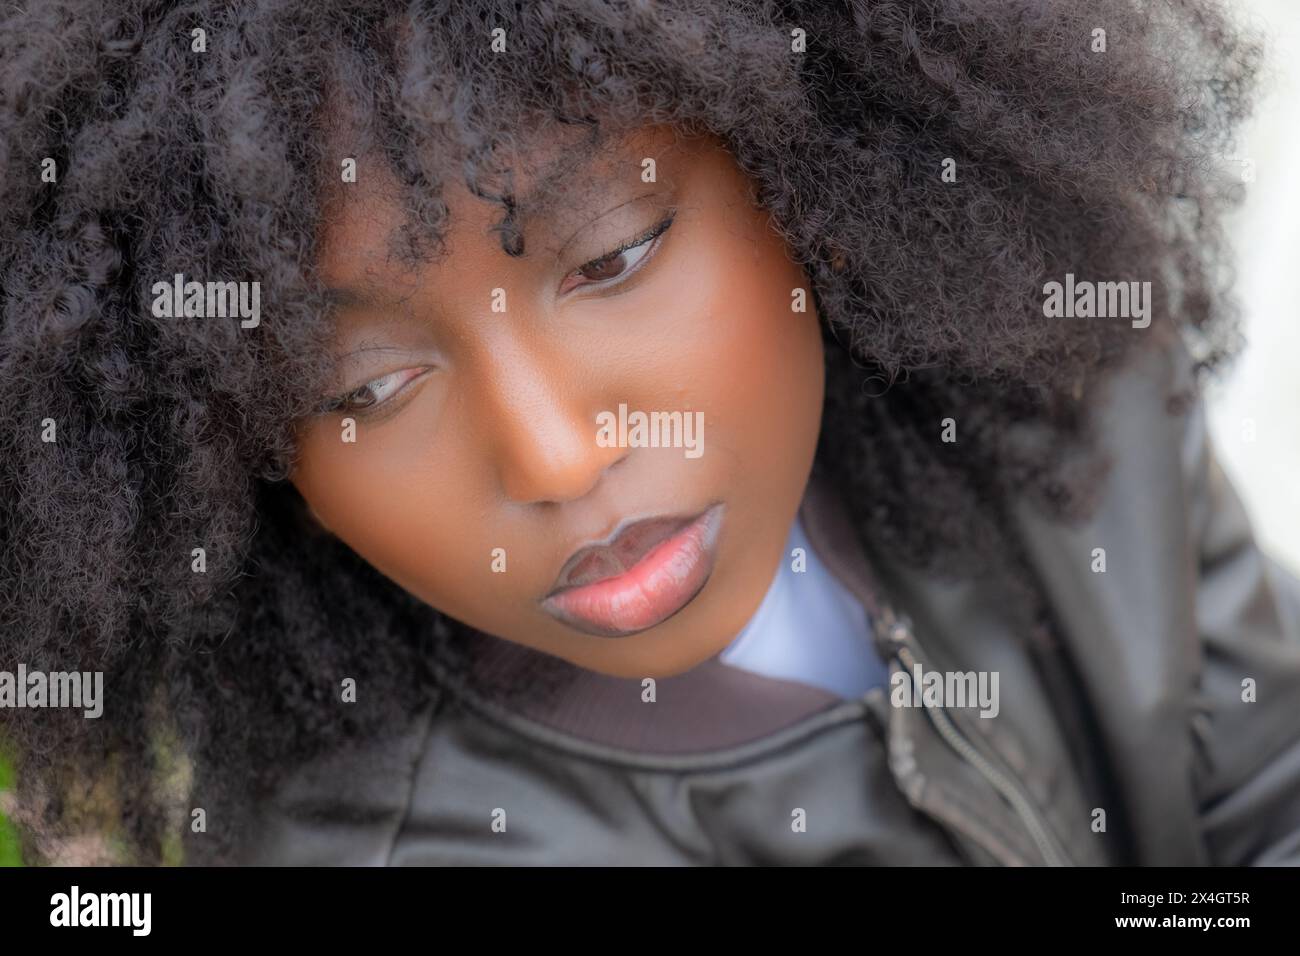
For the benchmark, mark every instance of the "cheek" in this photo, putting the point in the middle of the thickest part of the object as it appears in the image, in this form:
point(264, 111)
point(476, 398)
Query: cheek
point(754, 365)
point(413, 519)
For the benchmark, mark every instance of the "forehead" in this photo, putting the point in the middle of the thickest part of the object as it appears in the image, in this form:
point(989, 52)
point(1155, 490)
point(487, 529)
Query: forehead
point(552, 183)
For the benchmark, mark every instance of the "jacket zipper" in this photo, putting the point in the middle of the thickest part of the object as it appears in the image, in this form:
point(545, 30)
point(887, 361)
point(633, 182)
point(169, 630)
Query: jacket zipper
point(899, 634)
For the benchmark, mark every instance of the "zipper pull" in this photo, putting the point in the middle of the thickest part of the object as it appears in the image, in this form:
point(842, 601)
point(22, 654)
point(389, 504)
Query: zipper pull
point(898, 629)
point(891, 632)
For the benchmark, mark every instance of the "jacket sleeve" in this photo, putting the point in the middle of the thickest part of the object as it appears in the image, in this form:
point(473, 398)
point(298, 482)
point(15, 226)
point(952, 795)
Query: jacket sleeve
point(1247, 730)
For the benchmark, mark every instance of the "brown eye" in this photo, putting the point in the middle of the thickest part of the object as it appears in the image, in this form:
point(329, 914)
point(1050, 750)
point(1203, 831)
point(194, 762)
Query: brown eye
point(602, 269)
point(623, 261)
point(375, 392)
point(362, 397)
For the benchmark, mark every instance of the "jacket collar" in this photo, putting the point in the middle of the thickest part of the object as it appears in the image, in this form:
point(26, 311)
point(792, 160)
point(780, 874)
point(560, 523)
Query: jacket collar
point(710, 707)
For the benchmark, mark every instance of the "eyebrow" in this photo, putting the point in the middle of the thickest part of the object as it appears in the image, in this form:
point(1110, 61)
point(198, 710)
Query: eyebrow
point(578, 186)
point(369, 299)
point(351, 297)
point(564, 185)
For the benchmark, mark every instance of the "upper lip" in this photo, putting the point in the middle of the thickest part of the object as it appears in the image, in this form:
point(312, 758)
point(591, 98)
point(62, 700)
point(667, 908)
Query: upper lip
point(626, 545)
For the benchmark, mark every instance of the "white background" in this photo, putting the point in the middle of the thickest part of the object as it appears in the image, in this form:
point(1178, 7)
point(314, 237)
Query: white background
point(1264, 383)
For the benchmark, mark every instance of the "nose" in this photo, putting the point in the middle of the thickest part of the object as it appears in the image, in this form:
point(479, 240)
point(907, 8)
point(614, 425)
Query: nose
point(543, 429)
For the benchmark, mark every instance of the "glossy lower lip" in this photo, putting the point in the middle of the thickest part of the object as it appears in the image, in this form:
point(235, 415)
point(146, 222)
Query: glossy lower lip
point(648, 593)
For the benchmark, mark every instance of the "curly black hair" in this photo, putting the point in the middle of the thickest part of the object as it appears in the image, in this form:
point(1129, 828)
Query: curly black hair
point(176, 151)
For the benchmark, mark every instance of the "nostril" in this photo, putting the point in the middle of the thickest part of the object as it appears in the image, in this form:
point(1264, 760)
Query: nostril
point(537, 475)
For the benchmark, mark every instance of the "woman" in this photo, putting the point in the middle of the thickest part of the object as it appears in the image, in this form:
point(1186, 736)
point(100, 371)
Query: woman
point(651, 441)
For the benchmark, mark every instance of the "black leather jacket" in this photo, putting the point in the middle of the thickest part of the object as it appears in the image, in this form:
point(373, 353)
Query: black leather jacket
point(1132, 741)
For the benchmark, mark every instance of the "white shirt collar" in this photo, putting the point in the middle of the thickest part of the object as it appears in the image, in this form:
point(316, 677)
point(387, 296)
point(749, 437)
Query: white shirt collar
point(809, 628)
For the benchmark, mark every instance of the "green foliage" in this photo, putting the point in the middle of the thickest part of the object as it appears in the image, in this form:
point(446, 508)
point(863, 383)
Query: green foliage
point(9, 855)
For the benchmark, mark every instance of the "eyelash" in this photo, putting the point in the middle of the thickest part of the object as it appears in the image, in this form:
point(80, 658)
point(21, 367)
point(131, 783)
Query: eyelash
point(340, 402)
point(653, 233)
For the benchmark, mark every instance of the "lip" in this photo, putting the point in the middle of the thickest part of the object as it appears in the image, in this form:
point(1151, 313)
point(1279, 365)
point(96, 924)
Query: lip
point(646, 572)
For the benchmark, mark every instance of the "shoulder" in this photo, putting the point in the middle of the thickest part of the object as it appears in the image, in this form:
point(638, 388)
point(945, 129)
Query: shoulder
point(1173, 613)
point(345, 807)
point(468, 784)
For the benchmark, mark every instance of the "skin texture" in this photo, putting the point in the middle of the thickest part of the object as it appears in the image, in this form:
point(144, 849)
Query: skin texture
point(495, 446)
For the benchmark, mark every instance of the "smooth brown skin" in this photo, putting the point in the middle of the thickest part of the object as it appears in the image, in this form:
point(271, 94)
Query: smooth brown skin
point(496, 446)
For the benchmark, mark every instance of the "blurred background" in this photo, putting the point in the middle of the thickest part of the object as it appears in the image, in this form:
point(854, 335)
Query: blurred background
point(1254, 411)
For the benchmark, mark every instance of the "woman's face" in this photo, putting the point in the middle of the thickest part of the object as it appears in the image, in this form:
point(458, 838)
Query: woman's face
point(661, 404)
